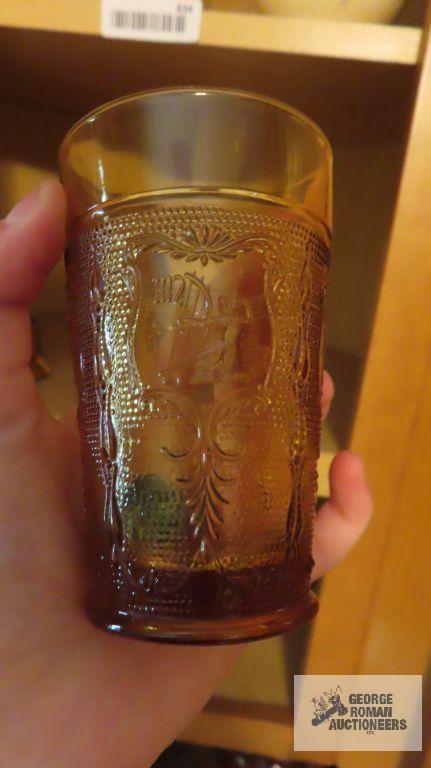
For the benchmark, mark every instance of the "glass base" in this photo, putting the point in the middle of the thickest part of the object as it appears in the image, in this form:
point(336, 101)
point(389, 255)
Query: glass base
point(215, 632)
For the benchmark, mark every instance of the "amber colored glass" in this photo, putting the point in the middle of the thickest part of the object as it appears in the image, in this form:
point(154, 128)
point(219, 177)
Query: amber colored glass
point(197, 265)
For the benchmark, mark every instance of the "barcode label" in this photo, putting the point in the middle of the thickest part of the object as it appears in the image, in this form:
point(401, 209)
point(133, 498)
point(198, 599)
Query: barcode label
point(155, 22)
point(170, 21)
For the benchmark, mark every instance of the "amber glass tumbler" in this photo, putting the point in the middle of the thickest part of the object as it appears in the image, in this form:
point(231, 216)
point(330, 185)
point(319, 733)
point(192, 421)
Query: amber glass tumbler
point(197, 264)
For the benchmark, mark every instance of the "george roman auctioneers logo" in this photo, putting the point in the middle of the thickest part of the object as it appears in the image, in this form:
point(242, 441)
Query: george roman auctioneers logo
point(328, 705)
point(358, 713)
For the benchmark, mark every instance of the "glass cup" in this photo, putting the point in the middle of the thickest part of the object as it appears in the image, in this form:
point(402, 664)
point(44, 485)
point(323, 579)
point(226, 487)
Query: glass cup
point(197, 265)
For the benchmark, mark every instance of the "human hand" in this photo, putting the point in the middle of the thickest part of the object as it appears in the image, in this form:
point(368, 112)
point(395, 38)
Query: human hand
point(72, 695)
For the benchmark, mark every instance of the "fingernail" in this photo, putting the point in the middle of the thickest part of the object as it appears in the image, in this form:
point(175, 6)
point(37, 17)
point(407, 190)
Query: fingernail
point(25, 206)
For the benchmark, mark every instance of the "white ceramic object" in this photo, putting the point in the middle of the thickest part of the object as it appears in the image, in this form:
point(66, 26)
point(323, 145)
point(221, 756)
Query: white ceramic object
point(339, 10)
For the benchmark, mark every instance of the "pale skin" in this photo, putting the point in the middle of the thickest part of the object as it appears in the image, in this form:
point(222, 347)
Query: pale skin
point(70, 694)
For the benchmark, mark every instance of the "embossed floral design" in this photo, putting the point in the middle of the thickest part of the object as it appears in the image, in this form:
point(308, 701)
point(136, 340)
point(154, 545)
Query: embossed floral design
point(207, 451)
point(210, 243)
point(213, 461)
point(203, 244)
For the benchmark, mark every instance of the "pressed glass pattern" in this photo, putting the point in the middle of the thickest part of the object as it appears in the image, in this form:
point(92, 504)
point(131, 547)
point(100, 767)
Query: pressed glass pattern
point(197, 327)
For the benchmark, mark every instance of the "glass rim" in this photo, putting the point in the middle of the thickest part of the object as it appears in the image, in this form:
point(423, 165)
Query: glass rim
point(277, 104)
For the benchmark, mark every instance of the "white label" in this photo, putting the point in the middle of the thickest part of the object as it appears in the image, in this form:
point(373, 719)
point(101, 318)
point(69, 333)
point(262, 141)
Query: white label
point(370, 713)
point(163, 21)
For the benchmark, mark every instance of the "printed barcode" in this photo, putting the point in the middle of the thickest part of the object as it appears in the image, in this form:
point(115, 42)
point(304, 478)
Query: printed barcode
point(151, 22)
point(164, 21)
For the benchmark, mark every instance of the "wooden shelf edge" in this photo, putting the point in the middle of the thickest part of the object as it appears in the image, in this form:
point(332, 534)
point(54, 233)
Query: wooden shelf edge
point(327, 454)
point(303, 37)
point(309, 37)
point(253, 728)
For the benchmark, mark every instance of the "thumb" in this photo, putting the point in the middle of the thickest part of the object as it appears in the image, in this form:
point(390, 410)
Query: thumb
point(32, 237)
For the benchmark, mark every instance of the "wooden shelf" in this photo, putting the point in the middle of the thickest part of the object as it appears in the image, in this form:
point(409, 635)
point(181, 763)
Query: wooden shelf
point(264, 671)
point(250, 728)
point(58, 390)
point(258, 32)
point(261, 674)
point(309, 37)
point(328, 450)
point(355, 80)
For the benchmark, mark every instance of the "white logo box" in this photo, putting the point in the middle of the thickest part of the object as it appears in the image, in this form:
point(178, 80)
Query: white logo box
point(375, 713)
